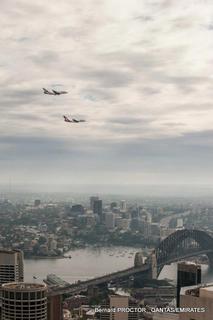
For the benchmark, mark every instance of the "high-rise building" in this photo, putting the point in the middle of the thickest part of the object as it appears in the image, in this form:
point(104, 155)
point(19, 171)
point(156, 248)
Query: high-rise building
point(11, 266)
point(113, 205)
point(37, 203)
point(200, 297)
point(97, 207)
point(188, 274)
point(122, 302)
point(110, 220)
point(123, 205)
point(77, 209)
point(54, 307)
point(92, 200)
point(24, 301)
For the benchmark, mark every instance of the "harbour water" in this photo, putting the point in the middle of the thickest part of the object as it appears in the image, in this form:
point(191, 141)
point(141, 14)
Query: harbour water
point(84, 264)
point(93, 262)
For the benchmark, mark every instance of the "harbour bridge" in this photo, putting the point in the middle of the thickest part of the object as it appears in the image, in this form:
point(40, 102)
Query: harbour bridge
point(180, 245)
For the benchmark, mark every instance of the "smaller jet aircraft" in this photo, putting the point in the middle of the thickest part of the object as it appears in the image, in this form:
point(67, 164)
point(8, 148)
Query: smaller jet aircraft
point(54, 92)
point(72, 120)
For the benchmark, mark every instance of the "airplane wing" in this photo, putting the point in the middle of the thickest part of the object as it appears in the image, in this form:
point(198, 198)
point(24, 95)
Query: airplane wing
point(47, 91)
point(55, 92)
point(67, 119)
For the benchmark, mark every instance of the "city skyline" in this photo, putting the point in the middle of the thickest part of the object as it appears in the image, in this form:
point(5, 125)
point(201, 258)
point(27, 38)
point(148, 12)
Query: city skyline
point(141, 75)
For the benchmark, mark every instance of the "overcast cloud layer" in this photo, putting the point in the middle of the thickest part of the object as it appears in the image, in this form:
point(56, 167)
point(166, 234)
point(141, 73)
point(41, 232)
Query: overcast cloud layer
point(139, 72)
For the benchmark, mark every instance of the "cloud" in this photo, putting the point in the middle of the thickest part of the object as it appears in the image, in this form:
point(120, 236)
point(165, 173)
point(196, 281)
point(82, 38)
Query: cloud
point(139, 72)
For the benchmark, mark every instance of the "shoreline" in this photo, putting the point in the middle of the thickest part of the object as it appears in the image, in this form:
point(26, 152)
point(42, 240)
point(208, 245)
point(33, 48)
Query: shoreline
point(45, 257)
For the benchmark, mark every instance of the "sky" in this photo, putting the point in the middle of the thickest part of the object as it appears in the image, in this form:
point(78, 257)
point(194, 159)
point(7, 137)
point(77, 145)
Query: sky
point(139, 72)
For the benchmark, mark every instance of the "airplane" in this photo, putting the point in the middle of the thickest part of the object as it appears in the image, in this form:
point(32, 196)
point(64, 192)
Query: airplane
point(54, 92)
point(72, 120)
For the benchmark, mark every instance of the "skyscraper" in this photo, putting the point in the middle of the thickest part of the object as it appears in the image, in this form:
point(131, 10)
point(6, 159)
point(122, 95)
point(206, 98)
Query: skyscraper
point(123, 205)
point(11, 266)
point(97, 207)
point(110, 220)
point(92, 200)
point(54, 307)
point(24, 301)
point(189, 274)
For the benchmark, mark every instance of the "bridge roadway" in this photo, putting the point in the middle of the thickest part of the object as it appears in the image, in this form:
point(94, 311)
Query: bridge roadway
point(83, 285)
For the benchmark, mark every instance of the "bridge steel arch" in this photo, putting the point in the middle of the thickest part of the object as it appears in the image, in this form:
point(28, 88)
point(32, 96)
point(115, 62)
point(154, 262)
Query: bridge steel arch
point(184, 243)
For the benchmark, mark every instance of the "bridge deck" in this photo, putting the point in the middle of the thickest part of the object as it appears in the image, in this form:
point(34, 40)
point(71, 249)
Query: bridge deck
point(77, 287)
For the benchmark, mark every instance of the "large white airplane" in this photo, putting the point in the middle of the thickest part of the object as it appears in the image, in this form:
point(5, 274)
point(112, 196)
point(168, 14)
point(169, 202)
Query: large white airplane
point(54, 92)
point(66, 119)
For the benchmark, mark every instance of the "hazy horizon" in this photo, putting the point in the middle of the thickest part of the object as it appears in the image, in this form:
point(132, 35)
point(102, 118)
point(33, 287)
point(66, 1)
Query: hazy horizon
point(161, 190)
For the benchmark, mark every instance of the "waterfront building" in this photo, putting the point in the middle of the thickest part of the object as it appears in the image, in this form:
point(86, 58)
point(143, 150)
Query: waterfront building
point(11, 266)
point(24, 301)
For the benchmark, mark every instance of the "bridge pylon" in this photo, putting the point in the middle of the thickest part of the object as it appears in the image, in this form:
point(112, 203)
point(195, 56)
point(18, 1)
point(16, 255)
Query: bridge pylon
point(210, 257)
point(154, 270)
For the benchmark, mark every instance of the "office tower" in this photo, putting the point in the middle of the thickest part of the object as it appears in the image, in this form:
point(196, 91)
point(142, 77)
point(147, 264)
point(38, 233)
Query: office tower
point(197, 297)
point(24, 301)
point(54, 307)
point(119, 302)
point(110, 220)
point(123, 205)
point(97, 207)
point(37, 203)
point(77, 209)
point(188, 274)
point(92, 200)
point(113, 205)
point(11, 266)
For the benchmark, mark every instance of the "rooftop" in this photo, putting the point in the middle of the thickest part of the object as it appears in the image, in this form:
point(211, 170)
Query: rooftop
point(197, 290)
point(24, 286)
